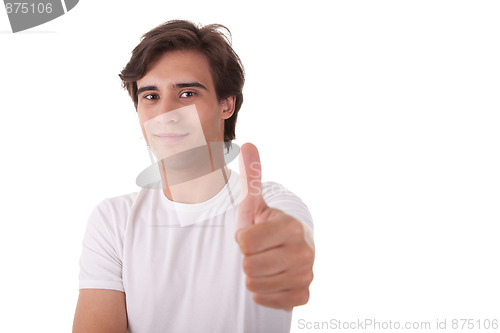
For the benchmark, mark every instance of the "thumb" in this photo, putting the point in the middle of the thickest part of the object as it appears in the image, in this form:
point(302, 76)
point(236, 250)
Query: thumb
point(252, 204)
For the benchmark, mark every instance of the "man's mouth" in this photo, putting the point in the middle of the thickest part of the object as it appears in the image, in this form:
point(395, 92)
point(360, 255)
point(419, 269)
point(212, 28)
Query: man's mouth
point(170, 137)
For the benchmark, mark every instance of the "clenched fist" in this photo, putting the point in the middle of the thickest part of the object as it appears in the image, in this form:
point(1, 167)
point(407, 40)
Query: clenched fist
point(278, 249)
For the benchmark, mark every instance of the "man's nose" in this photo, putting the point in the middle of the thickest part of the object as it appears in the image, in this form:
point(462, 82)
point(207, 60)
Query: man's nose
point(169, 110)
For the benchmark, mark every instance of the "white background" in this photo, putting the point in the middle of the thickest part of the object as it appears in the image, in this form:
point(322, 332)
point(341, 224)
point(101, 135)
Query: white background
point(383, 116)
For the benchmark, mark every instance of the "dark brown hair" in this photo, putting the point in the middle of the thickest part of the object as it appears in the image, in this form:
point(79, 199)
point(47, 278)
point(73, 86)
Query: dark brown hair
point(210, 40)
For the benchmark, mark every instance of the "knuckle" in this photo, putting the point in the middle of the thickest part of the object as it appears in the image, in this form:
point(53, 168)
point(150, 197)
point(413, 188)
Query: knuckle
point(303, 257)
point(302, 297)
point(309, 255)
point(306, 279)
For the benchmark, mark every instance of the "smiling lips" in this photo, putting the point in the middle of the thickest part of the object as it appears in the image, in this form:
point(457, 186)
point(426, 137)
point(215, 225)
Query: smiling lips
point(170, 137)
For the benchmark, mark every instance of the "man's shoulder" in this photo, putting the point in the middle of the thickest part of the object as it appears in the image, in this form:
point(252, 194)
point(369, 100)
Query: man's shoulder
point(121, 201)
point(116, 206)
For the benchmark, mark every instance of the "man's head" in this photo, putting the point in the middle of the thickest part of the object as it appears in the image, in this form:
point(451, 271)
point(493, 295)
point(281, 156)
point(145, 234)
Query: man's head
point(209, 42)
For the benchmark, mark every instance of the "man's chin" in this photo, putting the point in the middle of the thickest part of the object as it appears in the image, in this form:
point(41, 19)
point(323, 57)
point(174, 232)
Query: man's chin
point(187, 165)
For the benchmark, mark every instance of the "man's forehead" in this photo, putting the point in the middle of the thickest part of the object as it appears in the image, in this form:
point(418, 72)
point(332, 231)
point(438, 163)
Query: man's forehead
point(177, 59)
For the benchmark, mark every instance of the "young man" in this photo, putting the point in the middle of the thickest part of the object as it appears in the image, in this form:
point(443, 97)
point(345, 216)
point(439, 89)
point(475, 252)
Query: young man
point(202, 249)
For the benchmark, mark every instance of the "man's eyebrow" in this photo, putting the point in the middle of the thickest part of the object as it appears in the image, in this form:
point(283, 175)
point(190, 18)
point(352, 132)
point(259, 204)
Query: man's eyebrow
point(146, 88)
point(177, 85)
point(190, 85)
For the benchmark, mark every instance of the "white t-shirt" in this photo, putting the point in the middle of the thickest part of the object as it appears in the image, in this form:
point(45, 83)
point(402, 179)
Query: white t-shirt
point(179, 264)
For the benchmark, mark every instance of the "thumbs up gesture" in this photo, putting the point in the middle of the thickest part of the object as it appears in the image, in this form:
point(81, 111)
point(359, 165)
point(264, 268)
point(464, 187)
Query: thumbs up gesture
point(278, 249)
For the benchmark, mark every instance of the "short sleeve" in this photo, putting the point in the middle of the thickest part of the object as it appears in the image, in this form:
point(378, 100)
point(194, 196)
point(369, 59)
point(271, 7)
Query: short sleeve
point(102, 250)
point(277, 196)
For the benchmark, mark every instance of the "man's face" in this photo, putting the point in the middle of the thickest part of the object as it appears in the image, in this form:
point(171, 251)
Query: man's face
point(177, 105)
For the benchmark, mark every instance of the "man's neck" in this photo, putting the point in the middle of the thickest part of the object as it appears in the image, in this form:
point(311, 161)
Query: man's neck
point(194, 190)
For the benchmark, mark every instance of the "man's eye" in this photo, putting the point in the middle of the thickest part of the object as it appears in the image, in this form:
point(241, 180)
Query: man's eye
point(188, 94)
point(151, 96)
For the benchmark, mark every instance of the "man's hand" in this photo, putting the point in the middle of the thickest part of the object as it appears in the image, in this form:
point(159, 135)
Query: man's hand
point(278, 249)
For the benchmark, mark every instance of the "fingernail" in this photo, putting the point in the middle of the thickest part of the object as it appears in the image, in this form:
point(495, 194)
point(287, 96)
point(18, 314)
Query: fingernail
point(238, 235)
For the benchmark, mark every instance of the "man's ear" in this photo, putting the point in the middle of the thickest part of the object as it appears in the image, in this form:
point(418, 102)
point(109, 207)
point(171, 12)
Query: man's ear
point(227, 106)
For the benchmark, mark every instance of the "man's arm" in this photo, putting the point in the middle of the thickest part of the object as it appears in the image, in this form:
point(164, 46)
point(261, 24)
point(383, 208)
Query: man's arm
point(100, 310)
